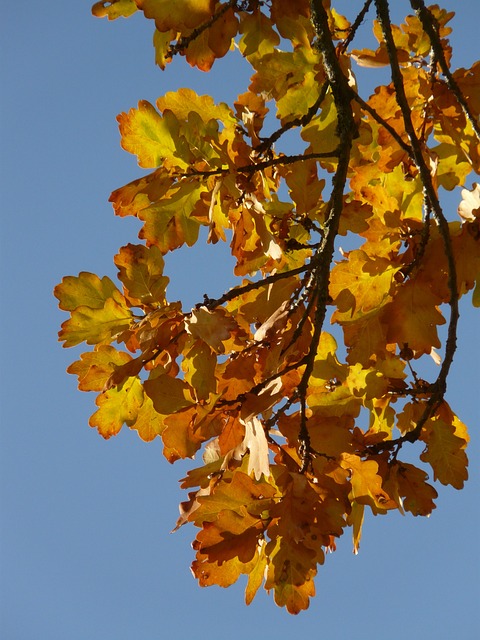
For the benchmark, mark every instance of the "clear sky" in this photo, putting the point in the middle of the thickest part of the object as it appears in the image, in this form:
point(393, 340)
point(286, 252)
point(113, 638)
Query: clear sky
point(86, 551)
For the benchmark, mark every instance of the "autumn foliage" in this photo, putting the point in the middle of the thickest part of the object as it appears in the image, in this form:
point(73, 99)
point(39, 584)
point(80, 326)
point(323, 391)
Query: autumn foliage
point(300, 388)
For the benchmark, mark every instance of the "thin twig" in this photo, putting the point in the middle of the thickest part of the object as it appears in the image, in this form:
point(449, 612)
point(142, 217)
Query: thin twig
point(260, 166)
point(251, 286)
point(353, 29)
point(366, 107)
point(297, 122)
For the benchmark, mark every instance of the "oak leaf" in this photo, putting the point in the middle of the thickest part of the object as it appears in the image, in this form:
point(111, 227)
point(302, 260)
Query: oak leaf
point(86, 289)
point(412, 318)
point(117, 406)
point(199, 368)
point(360, 286)
point(95, 326)
point(141, 272)
point(151, 137)
point(408, 486)
point(114, 9)
point(213, 327)
point(180, 16)
point(168, 394)
point(366, 483)
point(445, 452)
point(257, 445)
point(95, 367)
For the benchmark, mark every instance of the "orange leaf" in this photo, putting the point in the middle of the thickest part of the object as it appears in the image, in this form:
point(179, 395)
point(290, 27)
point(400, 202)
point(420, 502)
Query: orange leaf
point(179, 16)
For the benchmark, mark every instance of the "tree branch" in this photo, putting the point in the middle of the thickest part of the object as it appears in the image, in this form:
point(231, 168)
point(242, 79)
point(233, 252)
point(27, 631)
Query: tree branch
point(430, 26)
point(432, 203)
point(346, 130)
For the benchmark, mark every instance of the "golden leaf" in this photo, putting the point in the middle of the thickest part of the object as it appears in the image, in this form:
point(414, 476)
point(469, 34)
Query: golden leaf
point(117, 406)
point(151, 137)
point(445, 452)
point(95, 326)
point(367, 483)
point(360, 286)
point(180, 16)
point(95, 368)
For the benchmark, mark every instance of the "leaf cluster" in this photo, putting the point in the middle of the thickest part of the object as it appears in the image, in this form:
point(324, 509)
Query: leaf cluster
point(297, 436)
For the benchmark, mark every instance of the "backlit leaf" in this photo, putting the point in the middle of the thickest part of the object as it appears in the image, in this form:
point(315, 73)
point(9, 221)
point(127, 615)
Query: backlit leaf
point(185, 14)
point(168, 394)
point(95, 326)
point(116, 407)
point(87, 290)
point(141, 272)
point(296, 429)
point(445, 452)
point(114, 9)
point(151, 137)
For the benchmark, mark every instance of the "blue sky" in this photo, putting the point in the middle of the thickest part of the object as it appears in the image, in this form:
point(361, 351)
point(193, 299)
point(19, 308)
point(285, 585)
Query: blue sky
point(85, 548)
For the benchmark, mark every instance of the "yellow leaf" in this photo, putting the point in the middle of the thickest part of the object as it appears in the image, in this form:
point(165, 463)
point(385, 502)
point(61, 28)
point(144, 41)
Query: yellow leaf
point(305, 187)
point(366, 383)
point(445, 453)
point(114, 9)
point(117, 406)
point(453, 166)
point(321, 131)
point(337, 402)
point(257, 574)
point(95, 325)
point(360, 286)
point(199, 368)
point(410, 485)
point(162, 42)
point(184, 101)
point(290, 571)
point(355, 520)
point(86, 289)
point(242, 494)
point(258, 35)
point(412, 318)
point(151, 137)
point(366, 483)
point(95, 367)
point(149, 424)
point(169, 221)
